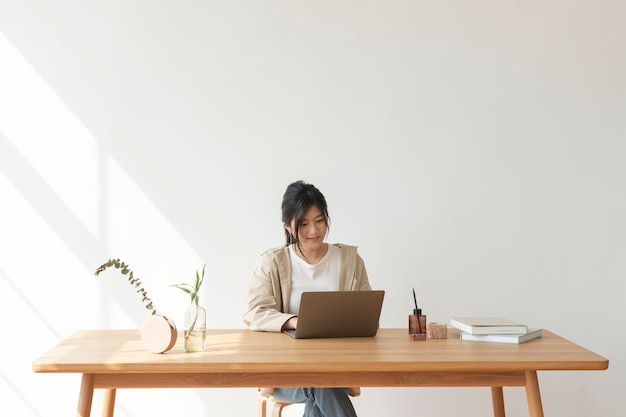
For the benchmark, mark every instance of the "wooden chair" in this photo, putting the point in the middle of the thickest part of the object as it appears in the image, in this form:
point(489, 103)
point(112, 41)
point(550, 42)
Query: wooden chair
point(277, 408)
point(266, 398)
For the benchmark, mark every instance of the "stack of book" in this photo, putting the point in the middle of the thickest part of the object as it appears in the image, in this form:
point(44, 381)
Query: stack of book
point(494, 329)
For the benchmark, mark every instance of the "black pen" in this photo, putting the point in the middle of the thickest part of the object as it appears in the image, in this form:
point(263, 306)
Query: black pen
point(417, 312)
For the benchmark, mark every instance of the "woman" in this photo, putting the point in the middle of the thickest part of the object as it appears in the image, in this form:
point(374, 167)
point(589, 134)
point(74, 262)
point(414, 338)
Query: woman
point(305, 263)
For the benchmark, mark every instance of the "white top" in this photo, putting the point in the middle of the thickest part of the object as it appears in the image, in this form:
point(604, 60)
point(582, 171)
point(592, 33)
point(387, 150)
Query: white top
point(322, 276)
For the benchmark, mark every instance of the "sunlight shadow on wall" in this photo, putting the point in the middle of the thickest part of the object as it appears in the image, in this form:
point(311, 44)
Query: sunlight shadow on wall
point(66, 205)
point(67, 176)
point(56, 144)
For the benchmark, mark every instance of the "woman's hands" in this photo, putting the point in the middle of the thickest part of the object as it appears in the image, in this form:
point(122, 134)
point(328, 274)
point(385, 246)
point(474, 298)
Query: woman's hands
point(292, 323)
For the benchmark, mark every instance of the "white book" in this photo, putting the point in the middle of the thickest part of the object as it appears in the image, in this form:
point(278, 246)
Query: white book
point(503, 338)
point(487, 325)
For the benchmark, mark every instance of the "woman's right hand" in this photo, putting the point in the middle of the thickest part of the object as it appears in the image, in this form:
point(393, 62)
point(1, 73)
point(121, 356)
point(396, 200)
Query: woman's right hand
point(292, 323)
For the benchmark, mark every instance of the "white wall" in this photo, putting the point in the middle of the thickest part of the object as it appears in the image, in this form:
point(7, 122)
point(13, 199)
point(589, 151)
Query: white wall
point(473, 150)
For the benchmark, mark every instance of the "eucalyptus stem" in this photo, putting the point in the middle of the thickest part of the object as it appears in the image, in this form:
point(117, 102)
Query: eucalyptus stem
point(125, 270)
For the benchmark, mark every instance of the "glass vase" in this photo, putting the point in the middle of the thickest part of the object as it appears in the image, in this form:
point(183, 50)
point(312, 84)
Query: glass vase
point(195, 328)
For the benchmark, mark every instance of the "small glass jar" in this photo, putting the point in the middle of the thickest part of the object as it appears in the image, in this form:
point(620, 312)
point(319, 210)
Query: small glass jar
point(417, 325)
point(195, 328)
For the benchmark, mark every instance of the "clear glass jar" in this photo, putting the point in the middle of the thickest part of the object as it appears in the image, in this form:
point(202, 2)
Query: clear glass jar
point(195, 328)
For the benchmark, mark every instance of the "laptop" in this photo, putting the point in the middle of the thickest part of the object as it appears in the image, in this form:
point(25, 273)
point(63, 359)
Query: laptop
point(325, 314)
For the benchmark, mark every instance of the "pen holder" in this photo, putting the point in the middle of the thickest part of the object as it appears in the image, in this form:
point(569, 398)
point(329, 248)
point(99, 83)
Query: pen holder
point(417, 327)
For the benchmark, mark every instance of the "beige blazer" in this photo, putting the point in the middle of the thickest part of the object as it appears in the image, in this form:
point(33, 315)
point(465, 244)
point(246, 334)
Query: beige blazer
point(269, 287)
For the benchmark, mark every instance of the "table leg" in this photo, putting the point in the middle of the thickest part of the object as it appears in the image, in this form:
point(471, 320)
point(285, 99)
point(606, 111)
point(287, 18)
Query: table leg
point(86, 396)
point(497, 399)
point(109, 402)
point(532, 395)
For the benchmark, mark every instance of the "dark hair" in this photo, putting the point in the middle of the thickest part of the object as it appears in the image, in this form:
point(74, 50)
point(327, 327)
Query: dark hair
point(297, 200)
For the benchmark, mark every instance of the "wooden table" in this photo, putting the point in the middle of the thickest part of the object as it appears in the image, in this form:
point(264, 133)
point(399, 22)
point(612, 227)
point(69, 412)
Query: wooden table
point(112, 359)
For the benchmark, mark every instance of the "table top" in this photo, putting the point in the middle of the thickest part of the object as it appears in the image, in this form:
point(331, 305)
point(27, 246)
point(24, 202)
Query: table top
point(242, 350)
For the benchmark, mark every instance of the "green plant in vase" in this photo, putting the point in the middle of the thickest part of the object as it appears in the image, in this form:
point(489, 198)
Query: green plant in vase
point(195, 315)
point(158, 332)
